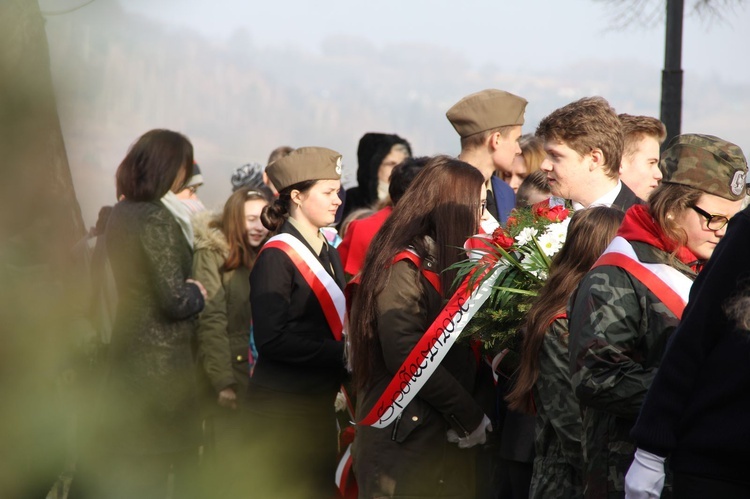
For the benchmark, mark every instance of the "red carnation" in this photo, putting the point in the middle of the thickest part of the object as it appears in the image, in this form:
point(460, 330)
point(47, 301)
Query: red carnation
point(541, 209)
point(557, 213)
point(501, 238)
point(511, 221)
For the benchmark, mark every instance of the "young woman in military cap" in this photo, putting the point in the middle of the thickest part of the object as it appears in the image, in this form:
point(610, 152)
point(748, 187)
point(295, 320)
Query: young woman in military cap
point(697, 407)
point(630, 303)
point(298, 309)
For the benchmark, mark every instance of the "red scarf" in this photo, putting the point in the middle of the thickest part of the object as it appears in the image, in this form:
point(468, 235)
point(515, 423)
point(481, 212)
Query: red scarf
point(640, 226)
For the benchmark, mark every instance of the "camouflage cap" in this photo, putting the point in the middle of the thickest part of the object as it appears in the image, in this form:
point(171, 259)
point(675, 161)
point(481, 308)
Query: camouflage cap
point(707, 163)
point(486, 110)
point(305, 163)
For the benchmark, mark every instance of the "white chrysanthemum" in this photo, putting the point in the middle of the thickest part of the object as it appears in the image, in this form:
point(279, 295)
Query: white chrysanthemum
point(550, 244)
point(564, 225)
point(557, 231)
point(524, 237)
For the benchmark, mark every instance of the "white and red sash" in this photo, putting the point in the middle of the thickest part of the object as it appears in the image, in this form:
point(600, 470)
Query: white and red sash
point(430, 350)
point(669, 285)
point(409, 254)
point(345, 481)
point(343, 472)
point(326, 290)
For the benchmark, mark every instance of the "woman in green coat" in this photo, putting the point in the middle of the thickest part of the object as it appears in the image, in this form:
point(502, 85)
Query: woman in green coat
point(226, 247)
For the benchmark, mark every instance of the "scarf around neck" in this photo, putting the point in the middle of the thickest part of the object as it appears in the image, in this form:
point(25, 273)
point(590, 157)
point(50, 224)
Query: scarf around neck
point(638, 225)
point(181, 213)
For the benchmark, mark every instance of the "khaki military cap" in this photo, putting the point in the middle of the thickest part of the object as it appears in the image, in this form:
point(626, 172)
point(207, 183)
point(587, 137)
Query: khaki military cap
point(486, 110)
point(707, 163)
point(305, 163)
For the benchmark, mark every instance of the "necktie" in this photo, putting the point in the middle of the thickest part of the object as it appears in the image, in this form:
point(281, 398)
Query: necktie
point(491, 205)
point(325, 260)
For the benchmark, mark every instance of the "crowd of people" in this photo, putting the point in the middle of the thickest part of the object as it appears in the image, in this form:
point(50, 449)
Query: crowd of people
point(294, 344)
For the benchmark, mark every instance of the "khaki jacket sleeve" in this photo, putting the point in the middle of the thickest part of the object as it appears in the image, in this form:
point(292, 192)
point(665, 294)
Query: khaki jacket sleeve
point(214, 352)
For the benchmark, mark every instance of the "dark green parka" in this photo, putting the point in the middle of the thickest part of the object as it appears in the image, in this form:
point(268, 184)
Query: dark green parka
point(224, 325)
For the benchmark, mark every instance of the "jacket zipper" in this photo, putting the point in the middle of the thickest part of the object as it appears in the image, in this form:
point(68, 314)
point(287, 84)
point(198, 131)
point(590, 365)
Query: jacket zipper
point(458, 423)
point(395, 427)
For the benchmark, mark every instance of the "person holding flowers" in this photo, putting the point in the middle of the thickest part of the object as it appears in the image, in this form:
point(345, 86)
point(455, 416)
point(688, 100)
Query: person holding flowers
point(406, 278)
point(631, 301)
point(542, 383)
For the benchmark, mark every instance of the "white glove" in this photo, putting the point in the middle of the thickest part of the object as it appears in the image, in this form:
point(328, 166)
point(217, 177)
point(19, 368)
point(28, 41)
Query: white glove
point(645, 478)
point(452, 436)
point(476, 437)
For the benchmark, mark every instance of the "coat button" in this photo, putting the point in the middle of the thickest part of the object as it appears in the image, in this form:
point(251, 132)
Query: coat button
point(415, 418)
point(239, 358)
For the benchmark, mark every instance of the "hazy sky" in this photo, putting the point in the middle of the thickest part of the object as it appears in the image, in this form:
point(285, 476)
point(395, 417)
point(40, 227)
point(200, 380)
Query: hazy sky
point(525, 38)
point(519, 35)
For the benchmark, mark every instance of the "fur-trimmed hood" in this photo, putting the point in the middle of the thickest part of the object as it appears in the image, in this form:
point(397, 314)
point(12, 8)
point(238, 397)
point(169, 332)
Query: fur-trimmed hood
point(206, 237)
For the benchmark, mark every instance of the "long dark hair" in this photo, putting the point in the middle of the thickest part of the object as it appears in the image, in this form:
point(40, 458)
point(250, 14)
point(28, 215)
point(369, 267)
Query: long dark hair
point(442, 203)
point(590, 232)
point(232, 225)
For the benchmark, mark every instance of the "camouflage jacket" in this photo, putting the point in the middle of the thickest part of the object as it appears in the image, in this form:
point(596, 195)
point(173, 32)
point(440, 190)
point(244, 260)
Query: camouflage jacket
point(559, 459)
point(618, 333)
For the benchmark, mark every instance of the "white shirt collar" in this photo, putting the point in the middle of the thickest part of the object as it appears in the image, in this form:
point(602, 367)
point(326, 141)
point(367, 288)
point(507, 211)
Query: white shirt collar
point(607, 200)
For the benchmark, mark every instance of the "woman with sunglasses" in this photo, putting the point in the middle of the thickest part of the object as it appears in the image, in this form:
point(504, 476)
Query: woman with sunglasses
point(631, 301)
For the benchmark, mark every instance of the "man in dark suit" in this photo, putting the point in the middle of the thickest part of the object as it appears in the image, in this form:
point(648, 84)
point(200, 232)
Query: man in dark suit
point(489, 123)
point(584, 143)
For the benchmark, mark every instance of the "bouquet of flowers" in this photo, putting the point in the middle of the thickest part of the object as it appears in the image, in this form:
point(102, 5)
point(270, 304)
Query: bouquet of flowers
point(521, 252)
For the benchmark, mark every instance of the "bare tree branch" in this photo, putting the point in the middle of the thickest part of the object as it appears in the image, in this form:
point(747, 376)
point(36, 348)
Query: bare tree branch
point(627, 14)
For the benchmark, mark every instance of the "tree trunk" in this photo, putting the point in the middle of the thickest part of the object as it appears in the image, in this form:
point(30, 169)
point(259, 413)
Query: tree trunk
point(36, 183)
point(40, 220)
point(671, 82)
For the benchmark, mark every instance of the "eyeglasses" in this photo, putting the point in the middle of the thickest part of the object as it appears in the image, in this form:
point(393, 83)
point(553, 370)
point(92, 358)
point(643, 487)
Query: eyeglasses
point(483, 206)
point(713, 222)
